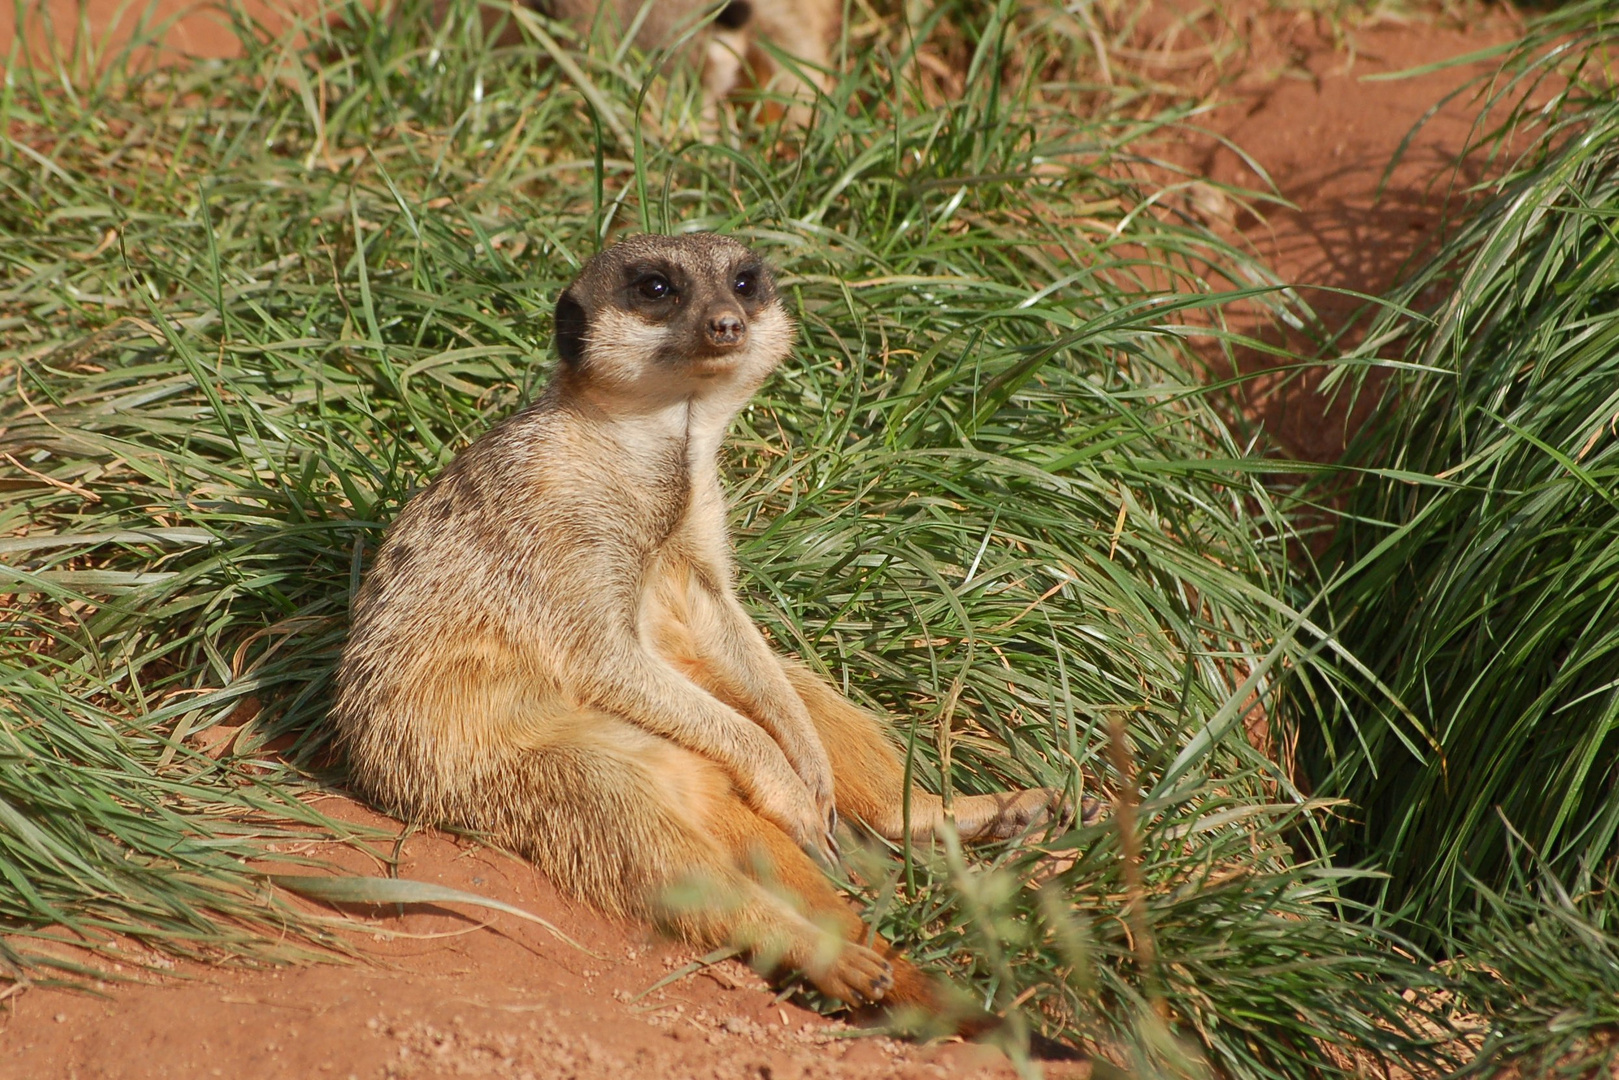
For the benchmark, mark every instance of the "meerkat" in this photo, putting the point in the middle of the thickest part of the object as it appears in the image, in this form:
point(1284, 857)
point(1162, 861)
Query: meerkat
point(549, 648)
point(729, 37)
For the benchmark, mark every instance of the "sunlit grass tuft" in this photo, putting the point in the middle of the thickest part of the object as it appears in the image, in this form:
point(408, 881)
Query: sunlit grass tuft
point(1479, 563)
point(1484, 554)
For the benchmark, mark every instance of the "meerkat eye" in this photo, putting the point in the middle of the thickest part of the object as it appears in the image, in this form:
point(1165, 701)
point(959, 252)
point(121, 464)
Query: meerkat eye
point(654, 287)
point(746, 283)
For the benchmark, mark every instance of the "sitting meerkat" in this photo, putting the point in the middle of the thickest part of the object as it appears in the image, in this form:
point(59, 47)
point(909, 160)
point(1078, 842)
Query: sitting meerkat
point(549, 648)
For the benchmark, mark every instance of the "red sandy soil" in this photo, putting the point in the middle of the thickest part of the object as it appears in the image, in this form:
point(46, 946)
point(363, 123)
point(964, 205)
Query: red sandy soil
point(192, 28)
point(1305, 112)
point(443, 996)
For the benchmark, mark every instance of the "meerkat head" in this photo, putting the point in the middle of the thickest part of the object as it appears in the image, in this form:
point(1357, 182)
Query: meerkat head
point(668, 318)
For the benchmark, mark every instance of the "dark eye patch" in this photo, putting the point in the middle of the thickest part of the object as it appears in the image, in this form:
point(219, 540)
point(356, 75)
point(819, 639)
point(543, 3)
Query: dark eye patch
point(571, 326)
point(735, 15)
point(745, 282)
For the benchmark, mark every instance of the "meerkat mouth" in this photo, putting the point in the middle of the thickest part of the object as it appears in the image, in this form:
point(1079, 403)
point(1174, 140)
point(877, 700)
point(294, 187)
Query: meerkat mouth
point(713, 365)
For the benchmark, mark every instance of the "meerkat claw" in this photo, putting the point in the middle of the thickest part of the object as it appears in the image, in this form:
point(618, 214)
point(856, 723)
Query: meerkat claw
point(1090, 810)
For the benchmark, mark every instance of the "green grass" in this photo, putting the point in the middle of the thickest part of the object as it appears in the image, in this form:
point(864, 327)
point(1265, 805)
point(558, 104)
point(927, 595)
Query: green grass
point(1494, 519)
point(1541, 966)
point(249, 307)
point(1479, 573)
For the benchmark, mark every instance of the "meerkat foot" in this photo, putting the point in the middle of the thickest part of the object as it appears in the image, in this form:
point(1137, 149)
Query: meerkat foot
point(858, 976)
point(1090, 810)
point(1002, 816)
point(1026, 809)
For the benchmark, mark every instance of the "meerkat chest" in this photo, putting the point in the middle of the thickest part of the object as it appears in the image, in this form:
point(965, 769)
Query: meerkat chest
point(634, 501)
point(665, 504)
point(678, 599)
point(691, 563)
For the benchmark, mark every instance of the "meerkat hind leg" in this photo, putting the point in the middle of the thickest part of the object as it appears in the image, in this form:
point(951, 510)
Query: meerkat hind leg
point(639, 826)
point(869, 777)
point(772, 855)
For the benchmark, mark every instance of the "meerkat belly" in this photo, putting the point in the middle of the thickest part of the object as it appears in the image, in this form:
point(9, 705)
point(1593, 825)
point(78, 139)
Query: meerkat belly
point(677, 620)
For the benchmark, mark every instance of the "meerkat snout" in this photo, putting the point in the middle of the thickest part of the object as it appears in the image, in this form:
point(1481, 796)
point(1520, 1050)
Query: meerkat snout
point(727, 330)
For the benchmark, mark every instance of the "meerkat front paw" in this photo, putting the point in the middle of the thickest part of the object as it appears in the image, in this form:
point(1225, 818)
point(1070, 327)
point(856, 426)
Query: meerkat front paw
point(810, 761)
point(818, 784)
point(788, 804)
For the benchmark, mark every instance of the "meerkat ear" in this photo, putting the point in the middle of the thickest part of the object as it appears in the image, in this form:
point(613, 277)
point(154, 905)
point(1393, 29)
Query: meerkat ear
point(570, 329)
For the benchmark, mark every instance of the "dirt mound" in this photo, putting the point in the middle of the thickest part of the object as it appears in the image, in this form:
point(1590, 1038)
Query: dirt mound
point(467, 993)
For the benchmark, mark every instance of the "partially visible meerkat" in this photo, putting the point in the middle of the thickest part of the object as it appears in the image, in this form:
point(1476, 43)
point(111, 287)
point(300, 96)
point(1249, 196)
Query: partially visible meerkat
point(549, 648)
point(730, 37)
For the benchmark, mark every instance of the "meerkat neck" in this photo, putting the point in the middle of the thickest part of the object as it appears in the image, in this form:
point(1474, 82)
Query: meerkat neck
point(696, 425)
point(707, 421)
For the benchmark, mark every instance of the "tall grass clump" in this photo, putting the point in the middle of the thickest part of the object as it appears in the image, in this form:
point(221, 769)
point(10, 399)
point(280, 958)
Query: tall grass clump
point(250, 307)
point(1481, 546)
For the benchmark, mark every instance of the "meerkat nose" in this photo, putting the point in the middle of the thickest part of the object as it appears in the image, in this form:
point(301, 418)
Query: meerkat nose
point(727, 330)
